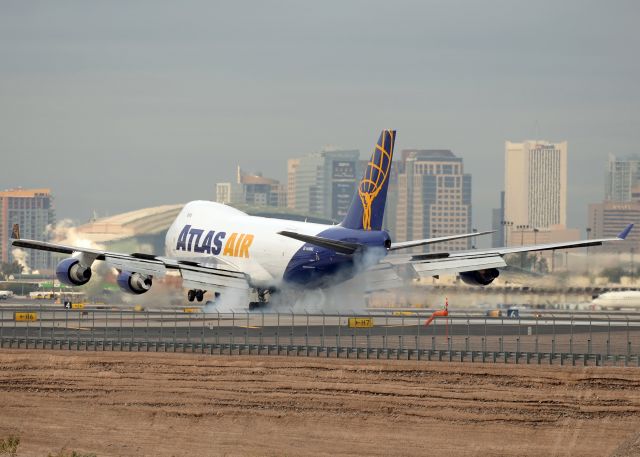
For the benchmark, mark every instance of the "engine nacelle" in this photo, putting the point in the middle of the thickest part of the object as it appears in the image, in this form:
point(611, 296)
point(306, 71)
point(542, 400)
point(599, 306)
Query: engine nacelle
point(480, 277)
point(71, 273)
point(134, 283)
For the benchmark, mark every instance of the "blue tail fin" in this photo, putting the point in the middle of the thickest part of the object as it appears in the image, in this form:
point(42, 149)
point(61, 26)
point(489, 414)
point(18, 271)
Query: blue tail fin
point(367, 207)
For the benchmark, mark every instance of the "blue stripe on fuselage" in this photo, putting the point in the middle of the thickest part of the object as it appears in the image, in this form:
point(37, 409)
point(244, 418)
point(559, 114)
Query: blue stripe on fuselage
point(314, 266)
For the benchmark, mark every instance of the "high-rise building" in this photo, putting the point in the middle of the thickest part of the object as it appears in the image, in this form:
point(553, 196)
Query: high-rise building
point(252, 189)
point(497, 217)
point(434, 197)
point(607, 219)
point(536, 184)
point(292, 166)
point(33, 210)
point(323, 183)
point(622, 179)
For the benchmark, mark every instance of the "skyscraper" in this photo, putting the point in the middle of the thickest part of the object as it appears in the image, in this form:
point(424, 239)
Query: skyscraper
point(252, 189)
point(323, 183)
point(622, 178)
point(434, 197)
point(536, 184)
point(497, 217)
point(33, 210)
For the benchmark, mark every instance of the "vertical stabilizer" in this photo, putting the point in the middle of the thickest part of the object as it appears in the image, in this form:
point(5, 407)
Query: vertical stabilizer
point(367, 207)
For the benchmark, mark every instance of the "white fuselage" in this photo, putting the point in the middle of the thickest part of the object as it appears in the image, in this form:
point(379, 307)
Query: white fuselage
point(628, 299)
point(247, 243)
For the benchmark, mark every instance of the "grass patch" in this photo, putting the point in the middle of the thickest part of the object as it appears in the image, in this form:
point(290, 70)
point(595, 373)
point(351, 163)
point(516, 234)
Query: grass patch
point(9, 446)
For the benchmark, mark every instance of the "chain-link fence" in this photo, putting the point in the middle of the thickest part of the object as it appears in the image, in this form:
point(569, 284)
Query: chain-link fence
point(545, 338)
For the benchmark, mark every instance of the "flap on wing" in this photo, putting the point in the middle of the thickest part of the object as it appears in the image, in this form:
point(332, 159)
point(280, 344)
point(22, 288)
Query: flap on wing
point(387, 276)
point(138, 265)
point(453, 265)
point(441, 239)
point(204, 277)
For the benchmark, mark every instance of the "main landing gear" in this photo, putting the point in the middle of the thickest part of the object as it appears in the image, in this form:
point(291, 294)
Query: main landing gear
point(262, 299)
point(196, 294)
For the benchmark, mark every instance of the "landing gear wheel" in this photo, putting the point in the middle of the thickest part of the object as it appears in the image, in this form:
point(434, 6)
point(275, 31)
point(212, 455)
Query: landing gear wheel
point(191, 295)
point(199, 295)
point(253, 305)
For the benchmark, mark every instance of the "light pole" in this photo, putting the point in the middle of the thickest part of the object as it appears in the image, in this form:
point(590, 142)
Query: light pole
point(535, 241)
point(507, 228)
point(522, 229)
point(588, 238)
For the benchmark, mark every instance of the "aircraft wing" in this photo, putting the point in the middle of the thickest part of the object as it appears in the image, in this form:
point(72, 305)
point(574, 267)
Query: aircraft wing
point(395, 267)
point(195, 275)
point(440, 239)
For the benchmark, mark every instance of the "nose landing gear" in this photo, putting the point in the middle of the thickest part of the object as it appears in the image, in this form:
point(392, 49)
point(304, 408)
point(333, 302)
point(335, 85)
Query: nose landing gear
point(196, 294)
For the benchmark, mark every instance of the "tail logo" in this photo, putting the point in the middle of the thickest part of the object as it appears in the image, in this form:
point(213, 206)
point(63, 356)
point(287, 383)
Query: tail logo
point(375, 176)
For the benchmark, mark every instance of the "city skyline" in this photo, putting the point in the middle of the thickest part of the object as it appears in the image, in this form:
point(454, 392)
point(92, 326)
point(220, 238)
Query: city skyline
point(114, 112)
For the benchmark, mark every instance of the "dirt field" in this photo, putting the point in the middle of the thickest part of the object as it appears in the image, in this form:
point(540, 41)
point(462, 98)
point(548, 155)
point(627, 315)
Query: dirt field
point(179, 405)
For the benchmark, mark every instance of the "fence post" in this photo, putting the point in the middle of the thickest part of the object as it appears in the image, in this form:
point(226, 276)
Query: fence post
point(306, 334)
point(466, 344)
point(291, 331)
point(553, 341)
point(571, 338)
point(626, 362)
point(261, 326)
point(418, 338)
point(203, 331)
point(278, 333)
point(246, 332)
point(232, 339)
point(339, 334)
point(322, 337)
point(608, 337)
point(218, 331)
point(589, 347)
point(518, 339)
point(175, 329)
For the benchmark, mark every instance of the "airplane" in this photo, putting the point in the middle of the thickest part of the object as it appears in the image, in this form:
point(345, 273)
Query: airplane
point(617, 300)
point(220, 249)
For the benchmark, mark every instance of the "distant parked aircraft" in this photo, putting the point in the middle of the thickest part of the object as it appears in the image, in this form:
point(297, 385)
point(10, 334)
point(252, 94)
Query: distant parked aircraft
point(626, 299)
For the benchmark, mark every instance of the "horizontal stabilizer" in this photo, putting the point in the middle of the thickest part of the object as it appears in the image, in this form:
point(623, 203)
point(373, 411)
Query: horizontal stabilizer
point(342, 247)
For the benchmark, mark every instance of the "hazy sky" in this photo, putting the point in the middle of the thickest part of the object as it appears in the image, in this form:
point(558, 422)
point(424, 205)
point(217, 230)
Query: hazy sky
point(120, 105)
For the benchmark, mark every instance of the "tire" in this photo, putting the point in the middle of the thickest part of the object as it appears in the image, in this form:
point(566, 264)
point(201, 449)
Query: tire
point(199, 295)
point(191, 295)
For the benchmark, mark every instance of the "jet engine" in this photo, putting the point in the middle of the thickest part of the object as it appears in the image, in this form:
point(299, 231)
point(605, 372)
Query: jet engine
point(134, 283)
point(480, 277)
point(71, 273)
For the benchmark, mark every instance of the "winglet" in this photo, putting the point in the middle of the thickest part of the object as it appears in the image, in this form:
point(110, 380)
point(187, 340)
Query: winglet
point(622, 235)
point(15, 234)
